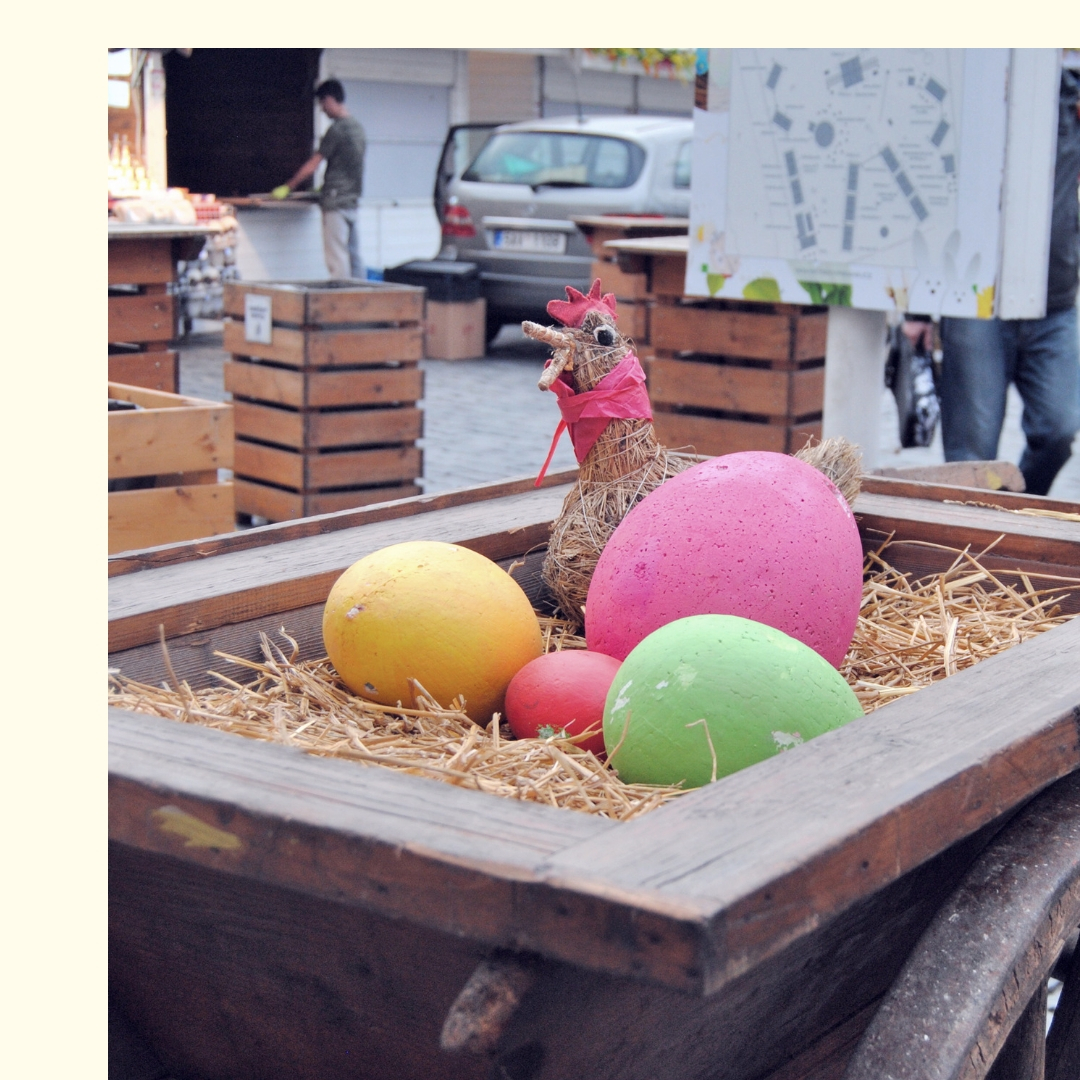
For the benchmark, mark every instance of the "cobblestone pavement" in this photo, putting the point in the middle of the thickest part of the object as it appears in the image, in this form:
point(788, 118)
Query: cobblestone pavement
point(486, 420)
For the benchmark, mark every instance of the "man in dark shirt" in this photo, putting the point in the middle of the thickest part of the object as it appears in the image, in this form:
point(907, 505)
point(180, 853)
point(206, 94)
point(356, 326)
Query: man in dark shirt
point(342, 148)
point(1041, 356)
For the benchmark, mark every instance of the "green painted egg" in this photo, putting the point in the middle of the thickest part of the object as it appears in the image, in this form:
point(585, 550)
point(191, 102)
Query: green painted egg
point(708, 695)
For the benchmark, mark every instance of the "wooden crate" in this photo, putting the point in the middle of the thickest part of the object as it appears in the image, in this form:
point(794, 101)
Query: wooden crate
point(326, 415)
point(142, 314)
point(266, 904)
point(174, 447)
point(630, 289)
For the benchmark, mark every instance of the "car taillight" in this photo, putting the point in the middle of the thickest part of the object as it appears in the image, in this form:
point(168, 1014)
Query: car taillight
point(457, 221)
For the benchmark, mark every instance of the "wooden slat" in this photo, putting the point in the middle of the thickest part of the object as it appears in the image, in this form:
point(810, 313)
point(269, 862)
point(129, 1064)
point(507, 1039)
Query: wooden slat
point(722, 333)
point(141, 318)
point(736, 389)
point(859, 806)
point(168, 436)
point(952, 492)
point(139, 519)
point(381, 386)
point(319, 305)
point(364, 426)
point(154, 370)
point(141, 262)
point(667, 275)
point(710, 435)
point(244, 584)
point(613, 280)
point(276, 534)
point(308, 472)
point(270, 424)
point(1026, 537)
point(1006, 922)
point(329, 348)
point(287, 344)
point(297, 389)
point(993, 475)
point(279, 504)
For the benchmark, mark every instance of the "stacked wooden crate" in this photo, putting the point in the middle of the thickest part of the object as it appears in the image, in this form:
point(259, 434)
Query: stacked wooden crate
point(326, 410)
point(727, 375)
point(631, 289)
point(164, 458)
point(142, 319)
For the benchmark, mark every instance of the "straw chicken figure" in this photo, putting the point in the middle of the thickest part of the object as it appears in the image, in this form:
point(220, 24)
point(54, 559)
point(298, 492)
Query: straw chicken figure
point(602, 396)
point(605, 407)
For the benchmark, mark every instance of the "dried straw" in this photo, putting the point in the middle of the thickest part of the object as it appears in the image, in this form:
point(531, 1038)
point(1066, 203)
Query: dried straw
point(840, 461)
point(909, 634)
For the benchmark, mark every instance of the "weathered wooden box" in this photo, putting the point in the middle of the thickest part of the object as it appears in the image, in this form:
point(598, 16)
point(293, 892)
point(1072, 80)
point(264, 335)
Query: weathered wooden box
point(278, 915)
point(173, 447)
point(326, 415)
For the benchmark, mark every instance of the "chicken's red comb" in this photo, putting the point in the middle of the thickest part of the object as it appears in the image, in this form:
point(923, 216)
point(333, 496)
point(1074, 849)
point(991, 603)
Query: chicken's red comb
point(571, 311)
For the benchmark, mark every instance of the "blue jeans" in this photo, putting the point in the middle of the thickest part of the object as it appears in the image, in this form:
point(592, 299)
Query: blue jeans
point(981, 358)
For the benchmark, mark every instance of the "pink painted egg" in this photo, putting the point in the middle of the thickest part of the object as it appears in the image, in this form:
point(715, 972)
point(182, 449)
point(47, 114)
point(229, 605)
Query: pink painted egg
point(760, 535)
point(561, 692)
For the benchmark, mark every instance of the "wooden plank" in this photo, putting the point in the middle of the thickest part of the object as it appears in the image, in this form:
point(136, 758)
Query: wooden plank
point(288, 345)
point(230, 978)
point(377, 387)
point(938, 1021)
point(329, 502)
point(276, 534)
point(365, 426)
point(331, 348)
point(1025, 537)
point(319, 304)
point(141, 262)
point(946, 491)
point(272, 503)
point(860, 806)
point(313, 429)
point(719, 332)
point(353, 467)
point(274, 385)
point(176, 434)
point(308, 472)
point(141, 318)
point(154, 370)
point(244, 584)
point(993, 475)
point(624, 286)
point(736, 389)
point(270, 424)
point(279, 504)
point(710, 435)
point(257, 462)
point(139, 519)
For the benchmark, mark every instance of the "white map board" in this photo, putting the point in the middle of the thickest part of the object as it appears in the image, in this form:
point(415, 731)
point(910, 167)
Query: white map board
point(869, 178)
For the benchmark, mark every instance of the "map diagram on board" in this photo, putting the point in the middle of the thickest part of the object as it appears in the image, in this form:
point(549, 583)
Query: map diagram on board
point(840, 157)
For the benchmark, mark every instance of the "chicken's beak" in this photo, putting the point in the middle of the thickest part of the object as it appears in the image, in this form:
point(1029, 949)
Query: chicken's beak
point(563, 346)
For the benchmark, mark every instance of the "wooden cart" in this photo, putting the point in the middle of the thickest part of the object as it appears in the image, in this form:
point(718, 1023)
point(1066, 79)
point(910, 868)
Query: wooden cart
point(887, 900)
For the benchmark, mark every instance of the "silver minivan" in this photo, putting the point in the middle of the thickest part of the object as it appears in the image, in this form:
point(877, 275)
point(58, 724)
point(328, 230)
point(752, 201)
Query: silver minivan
point(510, 211)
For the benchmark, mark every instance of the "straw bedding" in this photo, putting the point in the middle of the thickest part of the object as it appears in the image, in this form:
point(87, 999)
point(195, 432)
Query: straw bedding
point(909, 634)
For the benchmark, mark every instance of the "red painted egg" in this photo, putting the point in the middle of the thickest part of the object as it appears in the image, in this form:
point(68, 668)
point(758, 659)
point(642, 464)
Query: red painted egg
point(561, 691)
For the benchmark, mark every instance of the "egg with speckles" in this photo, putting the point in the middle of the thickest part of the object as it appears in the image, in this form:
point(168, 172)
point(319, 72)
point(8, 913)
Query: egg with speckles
point(760, 535)
point(705, 696)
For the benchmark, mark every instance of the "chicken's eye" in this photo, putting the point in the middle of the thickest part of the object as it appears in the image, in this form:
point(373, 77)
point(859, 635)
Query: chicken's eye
point(604, 335)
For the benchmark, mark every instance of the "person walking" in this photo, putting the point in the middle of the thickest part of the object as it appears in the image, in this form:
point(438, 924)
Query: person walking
point(342, 148)
point(980, 357)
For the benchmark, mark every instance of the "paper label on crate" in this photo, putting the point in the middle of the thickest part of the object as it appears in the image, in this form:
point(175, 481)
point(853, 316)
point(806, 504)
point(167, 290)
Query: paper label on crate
point(258, 319)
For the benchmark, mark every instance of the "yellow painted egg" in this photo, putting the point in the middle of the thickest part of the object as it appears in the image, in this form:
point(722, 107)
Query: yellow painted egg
point(438, 613)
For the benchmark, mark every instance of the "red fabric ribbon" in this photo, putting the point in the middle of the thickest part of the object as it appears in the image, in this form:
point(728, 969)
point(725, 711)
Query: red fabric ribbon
point(619, 395)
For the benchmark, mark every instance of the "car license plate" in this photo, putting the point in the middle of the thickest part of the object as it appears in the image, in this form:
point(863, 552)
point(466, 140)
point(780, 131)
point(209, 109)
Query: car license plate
point(551, 243)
